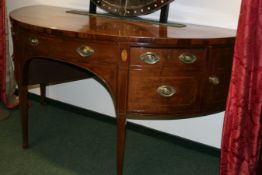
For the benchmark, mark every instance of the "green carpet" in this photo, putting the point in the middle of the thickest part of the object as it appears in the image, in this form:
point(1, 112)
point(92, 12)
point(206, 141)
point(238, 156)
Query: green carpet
point(66, 142)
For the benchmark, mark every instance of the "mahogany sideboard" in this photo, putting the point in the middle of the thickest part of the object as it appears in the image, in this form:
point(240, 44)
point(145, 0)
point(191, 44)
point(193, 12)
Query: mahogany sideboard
point(151, 70)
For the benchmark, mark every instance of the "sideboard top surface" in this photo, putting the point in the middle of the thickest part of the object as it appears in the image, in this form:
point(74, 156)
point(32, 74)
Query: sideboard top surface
point(57, 19)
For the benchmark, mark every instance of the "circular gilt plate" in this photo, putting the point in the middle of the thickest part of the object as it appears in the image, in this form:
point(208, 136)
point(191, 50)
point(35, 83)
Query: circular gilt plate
point(130, 7)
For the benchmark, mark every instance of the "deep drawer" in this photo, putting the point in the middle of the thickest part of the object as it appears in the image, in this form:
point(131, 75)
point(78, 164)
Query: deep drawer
point(163, 92)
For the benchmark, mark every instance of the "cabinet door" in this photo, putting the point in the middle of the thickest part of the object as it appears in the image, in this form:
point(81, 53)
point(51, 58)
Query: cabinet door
point(218, 78)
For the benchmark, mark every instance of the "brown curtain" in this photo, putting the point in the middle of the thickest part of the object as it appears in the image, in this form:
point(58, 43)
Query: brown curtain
point(7, 83)
point(241, 139)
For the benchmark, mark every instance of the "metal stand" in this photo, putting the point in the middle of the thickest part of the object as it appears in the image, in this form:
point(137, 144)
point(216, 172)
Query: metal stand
point(164, 14)
point(92, 8)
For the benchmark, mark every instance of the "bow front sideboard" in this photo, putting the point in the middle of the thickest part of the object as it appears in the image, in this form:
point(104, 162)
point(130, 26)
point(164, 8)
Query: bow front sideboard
point(151, 70)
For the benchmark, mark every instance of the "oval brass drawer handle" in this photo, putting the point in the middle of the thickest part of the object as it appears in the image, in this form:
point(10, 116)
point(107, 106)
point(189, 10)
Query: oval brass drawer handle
point(213, 80)
point(150, 58)
point(85, 51)
point(33, 41)
point(166, 90)
point(187, 58)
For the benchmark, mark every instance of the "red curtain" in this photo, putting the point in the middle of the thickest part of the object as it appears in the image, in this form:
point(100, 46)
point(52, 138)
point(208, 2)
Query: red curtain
point(241, 139)
point(7, 83)
point(2, 48)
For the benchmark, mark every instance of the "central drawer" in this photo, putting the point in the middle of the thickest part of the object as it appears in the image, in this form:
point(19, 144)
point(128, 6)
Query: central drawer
point(166, 80)
point(175, 58)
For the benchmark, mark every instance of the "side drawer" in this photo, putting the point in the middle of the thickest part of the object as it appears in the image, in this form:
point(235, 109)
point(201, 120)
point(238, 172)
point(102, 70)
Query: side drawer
point(72, 50)
point(175, 58)
point(180, 92)
point(220, 63)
